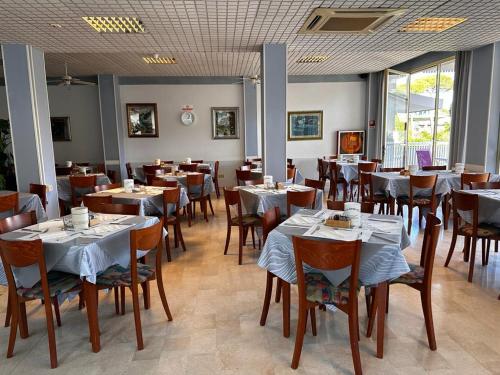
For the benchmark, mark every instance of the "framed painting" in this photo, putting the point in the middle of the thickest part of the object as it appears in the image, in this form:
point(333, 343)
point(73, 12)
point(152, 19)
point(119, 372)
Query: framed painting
point(351, 142)
point(142, 120)
point(305, 125)
point(61, 130)
point(225, 123)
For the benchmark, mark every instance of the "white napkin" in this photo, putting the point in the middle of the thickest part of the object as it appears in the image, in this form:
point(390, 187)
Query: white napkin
point(323, 231)
point(382, 227)
point(105, 229)
point(302, 221)
point(59, 236)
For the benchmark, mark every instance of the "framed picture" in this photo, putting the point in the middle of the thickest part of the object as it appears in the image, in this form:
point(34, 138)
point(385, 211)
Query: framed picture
point(305, 125)
point(142, 120)
point(61, 130)
point(351, 142)
point(225, 123)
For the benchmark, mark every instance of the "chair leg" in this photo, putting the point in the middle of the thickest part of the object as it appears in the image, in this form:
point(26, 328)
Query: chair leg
point(161, 291)
point(177, 227)
point(452, 248)
point(279, 284)
point(425, 296)
point(205, 209)
point(13, 329)
point(299, 338)
point(420, 215)
point(137, 316)
point(55, 302)
point(23, 321)
point(312, 314)
point(487, 253)
point(252, 228)
point(286, 308)
point(228, 237)
point(176, 238)
point(81, 301)
point(167, 248)
point(122, 299)
point(467, 246)
point(240, 246)
point(353, 338)
point(146, 295)
point(189, 213)
point(472, 259)
point(267, 298)
point(210, 204)
point(8, 313)
point(496, 246)
point(117, 300)
point(483, 251)
point(410, 218)
point(51, 334)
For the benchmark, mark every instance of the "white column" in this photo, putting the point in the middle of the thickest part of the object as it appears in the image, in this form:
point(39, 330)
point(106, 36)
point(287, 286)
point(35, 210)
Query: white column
point(250, 113)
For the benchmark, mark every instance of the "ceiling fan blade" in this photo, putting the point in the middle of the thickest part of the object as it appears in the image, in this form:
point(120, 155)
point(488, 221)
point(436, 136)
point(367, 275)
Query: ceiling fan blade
point(62, 83)
point(80, 82)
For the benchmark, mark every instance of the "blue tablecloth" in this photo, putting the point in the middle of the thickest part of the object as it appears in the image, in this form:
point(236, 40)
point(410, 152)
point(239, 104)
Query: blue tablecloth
point(27, 202)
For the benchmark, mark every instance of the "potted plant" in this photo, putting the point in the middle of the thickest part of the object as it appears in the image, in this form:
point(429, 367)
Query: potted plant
point(7, 172)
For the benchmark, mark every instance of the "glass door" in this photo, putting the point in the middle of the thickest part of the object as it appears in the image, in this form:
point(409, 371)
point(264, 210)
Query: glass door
point(396, 119)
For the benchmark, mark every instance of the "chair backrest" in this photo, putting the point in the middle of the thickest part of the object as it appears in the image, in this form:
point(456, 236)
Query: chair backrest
point(485, 185)
point(41, 191)
point(167, 162)
point(157, 181)
point(303, 199)
point(364, 157)
point(232, 198)
point(199, 161)
point(317, 184)
point(333, 171)
point(330, 157)
point(434, 167)
point(424, 182)
point(366, 186)
point(193, 167)
point(151, 169)
point(146, 239)
point(290, 174)
point(83, 164)
point(171, 195)
point(378, 161)
point(94, 201)
point(462, 201)
point(118, 208)
point(216, 170)
point(258, 181)
point(246, 167)
point(99, 188)
point(130, 173)
point(423, 158)
point(366, 207)
point(321, 169)
point(9, 202)
point(367, 167)
point(429, 243)
point(327, 255)
point(289, 161)
point(17, 222)
point(254, 159)
point(205, 170)
point(398, 169)
point(111, 175)
point(149, 178)
point(63, 171)
point(193, 181)
point(242, 176)
point(270, 220)
point(467, 178)
point(81, 185)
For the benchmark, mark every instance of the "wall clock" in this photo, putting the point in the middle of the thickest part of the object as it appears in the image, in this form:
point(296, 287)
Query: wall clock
point(187, 118)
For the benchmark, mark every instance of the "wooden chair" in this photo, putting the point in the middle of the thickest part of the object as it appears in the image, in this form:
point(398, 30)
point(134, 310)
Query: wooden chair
point(20, 254)
point(9, 202)
point(151, 169)
point(290, 174)
point(362, 167)
point(63, 171)
point(331, 157)
point(419, 182)
point(364, 157)
point(242, 176)
point(118, 209)
point(254, 159)
point(467, 178)
point(323, 256)
point(484, 185)
point(136, 273)
point(196, 193)
point(366, 207)
point(243, 222)
point(94, 201)
point(322, 174)
point(335, 180)
point(420, 276)
point(199, 161)
point(81, 185)
point(172, 197)
point(105, 187)
point(270, 220)
point(208, 172)
point(160, 182)
point(434, 167)
point(193, 167)
point(316, 184)
point(378, 161)
point(469, 203)
point(259, 181)
point(391, 169)
point(41, 191)
point(303, 199)
point(368, 194)
point(130, 172)
point(215, 179)
point(111, 175)
point(167, 162)
point(289, 161)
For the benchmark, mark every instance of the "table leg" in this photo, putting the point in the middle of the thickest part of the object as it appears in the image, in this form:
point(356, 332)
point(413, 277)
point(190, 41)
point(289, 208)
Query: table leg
point(90, 291)
point(381, 307)
point(285, 289)
point(391, 205)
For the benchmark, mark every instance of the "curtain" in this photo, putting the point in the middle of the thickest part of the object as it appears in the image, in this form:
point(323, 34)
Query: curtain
point(459, 107)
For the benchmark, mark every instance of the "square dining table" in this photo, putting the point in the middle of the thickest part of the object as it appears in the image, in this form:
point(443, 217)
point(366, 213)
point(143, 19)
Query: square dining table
point(27, 202)
point(64, 187)
point(149, 198)
point(181, 178)
point(347, 170)
point(139, 170)
point(383, 239)
point(85, 253)
point(489, 207)
point(257, 174)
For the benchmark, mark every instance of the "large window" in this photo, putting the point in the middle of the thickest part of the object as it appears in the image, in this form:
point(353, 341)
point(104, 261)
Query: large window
point(418, 114)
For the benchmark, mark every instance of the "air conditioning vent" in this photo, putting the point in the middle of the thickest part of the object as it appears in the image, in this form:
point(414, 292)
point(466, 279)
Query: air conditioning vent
point(352, 21)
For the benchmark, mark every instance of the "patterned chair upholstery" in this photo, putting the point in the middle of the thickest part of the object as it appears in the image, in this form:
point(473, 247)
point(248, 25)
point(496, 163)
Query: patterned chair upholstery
point(119, 276)
point(59, 283)
point(319, 289)
point(415, 276)
point(482, 230)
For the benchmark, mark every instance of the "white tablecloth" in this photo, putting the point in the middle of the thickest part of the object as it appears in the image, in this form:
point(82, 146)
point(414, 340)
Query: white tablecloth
point(257, 174)
point(139, 171)
point(27, 202)
point(64, 187)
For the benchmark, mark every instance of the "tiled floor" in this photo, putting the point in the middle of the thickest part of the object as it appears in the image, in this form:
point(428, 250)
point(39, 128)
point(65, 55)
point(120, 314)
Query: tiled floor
point(216, 306)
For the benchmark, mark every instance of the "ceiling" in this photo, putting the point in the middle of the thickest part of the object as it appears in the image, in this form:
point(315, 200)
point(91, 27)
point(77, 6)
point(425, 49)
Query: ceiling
point(223, 38)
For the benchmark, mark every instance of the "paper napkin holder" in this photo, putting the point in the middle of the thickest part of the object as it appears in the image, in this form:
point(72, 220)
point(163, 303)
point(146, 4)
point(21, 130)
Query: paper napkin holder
point(336, 223)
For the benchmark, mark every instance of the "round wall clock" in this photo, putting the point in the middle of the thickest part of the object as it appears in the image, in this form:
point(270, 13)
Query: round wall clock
point(187, 118)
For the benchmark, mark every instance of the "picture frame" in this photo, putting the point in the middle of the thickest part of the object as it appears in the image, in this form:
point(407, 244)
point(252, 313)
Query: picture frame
point(305, 125)
point(225, 122)
point(351, 142)
point(61, 130)
point(142, 120)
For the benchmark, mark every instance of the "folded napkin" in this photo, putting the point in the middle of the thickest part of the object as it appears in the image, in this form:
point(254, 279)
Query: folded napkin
point(58, 236)
point(382, 227)
point(323, 231)
point(302, 221)
point(105, 229)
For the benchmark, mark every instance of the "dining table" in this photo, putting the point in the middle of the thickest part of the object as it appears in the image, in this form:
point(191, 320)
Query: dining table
point(139, 171)
point(149, 199)
point(383, 240)
point(489, 207)
point(181, 178)
point(85, 252)
point(257, 174)
point(27, 202)
point(257, 199)
point(347, 169)
point(64, 186)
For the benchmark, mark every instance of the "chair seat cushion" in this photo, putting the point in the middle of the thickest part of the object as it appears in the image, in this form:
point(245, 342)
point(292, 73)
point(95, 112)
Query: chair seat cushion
point(415, 276)
point(247, 219)
point(59, 283)
point(319, 289)
point(482, 230)
point(417, 201)
point(119, 276)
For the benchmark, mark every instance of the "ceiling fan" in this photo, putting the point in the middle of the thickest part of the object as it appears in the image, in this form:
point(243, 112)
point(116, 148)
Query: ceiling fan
point(252, 79)
point(67, 80)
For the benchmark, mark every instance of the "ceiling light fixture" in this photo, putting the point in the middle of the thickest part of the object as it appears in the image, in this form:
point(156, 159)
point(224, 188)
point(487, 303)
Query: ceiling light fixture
point(431, 25)
point(115, 24)
point(313, 59)
point(55, 25)
point(156, 59)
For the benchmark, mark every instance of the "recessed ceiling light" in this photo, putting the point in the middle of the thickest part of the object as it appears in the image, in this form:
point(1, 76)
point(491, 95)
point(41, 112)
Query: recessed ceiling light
point(313, 59)
point(55, 25)
point(431, 25)
point(115, 24)
point(159, 60)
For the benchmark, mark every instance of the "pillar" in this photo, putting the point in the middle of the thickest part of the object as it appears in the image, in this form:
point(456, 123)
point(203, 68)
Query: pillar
point(250, 114)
